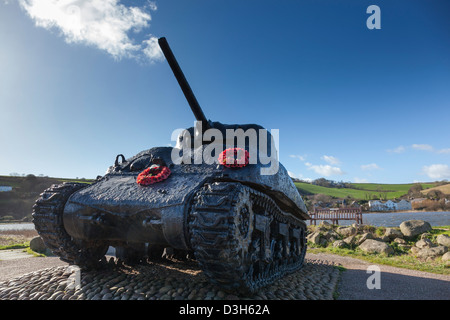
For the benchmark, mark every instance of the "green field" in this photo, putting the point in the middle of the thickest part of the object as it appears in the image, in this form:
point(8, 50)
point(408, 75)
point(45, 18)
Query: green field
point(361, 191)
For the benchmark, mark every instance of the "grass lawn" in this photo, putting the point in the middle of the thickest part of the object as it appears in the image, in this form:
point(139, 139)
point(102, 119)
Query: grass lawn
point(361, 191)
point(401, 258)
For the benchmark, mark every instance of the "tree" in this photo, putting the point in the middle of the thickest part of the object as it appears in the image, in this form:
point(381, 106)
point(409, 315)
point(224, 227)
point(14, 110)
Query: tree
point(414, 191)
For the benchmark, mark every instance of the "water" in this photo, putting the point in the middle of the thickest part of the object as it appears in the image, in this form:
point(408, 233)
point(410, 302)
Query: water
point(389, 219)
point(394, 219)
point(16, 226)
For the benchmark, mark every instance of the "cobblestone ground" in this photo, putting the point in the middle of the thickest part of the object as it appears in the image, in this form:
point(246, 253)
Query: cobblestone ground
point(317, 280)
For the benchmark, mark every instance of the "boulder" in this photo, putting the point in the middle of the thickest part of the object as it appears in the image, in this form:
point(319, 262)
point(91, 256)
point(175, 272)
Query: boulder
point(384, 238)
point(314, 237)
point(399, 241)
point(424, 243)
point(415, 250)
point(350, 240)
point(325, 225)
point(425, 235)
point(364, 237)
point(37, 245)
point(412, 228)
point(444, 240)
point(340, 244)
point(392, 233)
point(346, 231)
point(432, 252)
point(330, 234)
point(446, 256)
point(374, 246)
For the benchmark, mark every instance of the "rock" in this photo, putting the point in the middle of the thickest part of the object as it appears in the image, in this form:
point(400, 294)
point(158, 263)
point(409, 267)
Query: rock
point(37, 245)
point(399, 241)
point(346, 231)
point(384, 238)
point(323, 241)
point(374, 246)
point(425, 235)
point(393, 233)
point(314, 237)
point(412, 228)
point(432, 252)
point(326, 225)
point(424, 243)
point(331, 234)
point(415, 250)
point(339, 244)
point(364, 237)
point(443, 239)
point(350, 240)
point(446, 257)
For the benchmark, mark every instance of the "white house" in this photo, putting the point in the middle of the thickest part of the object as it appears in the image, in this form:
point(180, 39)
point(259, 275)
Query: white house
point(377, 205)
point(5, 188)
point(404, 205)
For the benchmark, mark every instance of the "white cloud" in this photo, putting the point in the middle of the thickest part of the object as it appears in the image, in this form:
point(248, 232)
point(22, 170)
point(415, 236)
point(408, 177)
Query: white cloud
point(104, 24)
point(424, 147)
point(437, 171)
point(399, 149)
point(360, 180)
point(299, 176)
point(444, 150)
point(371, 166)
point(301, 158)
point(331, 159)
point(326, 170)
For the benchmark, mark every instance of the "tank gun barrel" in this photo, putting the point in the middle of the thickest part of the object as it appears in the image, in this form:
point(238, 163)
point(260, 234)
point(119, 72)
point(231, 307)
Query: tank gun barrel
point(185, 87)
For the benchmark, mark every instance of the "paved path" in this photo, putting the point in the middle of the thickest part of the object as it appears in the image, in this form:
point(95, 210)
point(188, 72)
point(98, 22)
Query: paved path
point(395, 283)
point(13, 254)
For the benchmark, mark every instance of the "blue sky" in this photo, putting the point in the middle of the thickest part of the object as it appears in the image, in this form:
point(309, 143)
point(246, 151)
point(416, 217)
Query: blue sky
point(82, 81)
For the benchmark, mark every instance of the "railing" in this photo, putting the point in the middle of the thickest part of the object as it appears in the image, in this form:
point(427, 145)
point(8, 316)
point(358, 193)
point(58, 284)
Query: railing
point(336, 214)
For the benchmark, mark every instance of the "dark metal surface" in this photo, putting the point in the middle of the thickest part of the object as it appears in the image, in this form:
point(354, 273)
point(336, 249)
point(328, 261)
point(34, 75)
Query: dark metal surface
point(185, 87)
point(117, 208)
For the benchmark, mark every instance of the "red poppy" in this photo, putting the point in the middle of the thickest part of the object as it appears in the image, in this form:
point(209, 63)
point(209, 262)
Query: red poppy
point(234, 158)
point(153, 174)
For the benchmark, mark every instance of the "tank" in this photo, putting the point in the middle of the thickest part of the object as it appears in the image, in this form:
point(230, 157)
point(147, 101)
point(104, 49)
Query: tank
point(242, 223)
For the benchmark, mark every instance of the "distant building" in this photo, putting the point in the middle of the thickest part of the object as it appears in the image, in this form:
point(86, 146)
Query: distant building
point(5, 188)
point(404, 205)
point(377, 205)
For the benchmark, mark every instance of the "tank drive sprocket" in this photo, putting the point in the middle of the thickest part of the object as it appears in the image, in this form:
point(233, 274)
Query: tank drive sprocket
point(242, 239)
point(48, 221)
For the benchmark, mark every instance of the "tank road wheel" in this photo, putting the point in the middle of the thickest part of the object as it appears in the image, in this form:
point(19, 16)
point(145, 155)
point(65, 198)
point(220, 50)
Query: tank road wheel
point(221, 230)
point(242, 239)
point(48, 220)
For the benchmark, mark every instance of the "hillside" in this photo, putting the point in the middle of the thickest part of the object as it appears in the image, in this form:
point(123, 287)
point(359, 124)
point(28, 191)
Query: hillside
point(445, 189)
point(17, 204)
point(360, 191)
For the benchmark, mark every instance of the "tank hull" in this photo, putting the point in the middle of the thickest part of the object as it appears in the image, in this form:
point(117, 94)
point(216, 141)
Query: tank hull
point(116, 208)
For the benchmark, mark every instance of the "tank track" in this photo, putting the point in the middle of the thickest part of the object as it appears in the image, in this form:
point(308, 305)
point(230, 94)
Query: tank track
point(241, 238)
point(48, 221)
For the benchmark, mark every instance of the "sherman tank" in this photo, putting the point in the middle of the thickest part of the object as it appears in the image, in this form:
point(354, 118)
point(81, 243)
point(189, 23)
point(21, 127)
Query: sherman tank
point(244, 226)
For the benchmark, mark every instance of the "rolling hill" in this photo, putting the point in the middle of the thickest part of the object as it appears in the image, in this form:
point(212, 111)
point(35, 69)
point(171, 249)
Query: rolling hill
point(445, 189)
point(360, 191)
